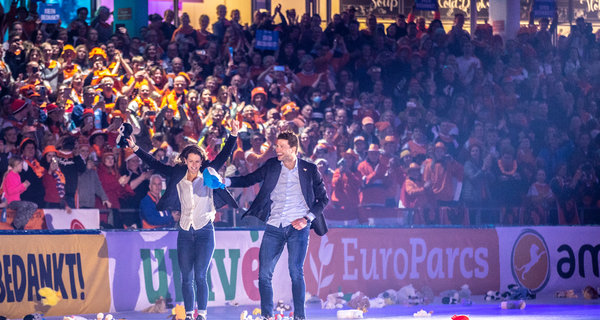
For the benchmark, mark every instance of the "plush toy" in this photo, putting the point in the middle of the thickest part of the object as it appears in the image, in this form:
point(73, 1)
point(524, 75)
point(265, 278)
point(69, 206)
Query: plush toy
point(212, 179)
point(125, 131)
point(492, 296)
point(100, 316)
point(334, 301)
point(388, 296)
point(160, 306)
point(178, 312)
point(282, 307)
point(359, 301)
point(520, 304)
point(460, 317)
point(422, 314)
point(590, 293)
point(406, 295)
point(50, 297)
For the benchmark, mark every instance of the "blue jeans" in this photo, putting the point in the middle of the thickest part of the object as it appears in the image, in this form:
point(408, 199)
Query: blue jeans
point(271, 247)
point(194, 251)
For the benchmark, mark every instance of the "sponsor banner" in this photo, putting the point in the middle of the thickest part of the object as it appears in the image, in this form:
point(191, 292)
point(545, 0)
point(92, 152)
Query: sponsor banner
point(144, 266)
point(76, 266)
point(79, 219)
point(374, 260)
point(546, 259)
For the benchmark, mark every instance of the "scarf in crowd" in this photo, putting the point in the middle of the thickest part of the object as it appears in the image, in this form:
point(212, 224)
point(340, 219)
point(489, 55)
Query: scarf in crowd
point(36, 167)
point(60, 182)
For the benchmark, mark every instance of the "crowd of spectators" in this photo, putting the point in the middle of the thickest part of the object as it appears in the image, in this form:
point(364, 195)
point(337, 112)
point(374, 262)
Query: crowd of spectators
point(405, 116)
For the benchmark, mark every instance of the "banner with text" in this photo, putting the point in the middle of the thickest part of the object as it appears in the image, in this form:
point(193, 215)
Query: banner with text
point(144, 267)
point(546, 259)
point(79, 219)
point(75, 266)
point(374, 260)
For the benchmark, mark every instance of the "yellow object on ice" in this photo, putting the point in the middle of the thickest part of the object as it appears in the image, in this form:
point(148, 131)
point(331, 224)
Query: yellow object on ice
point(256, 312)
point(50, 297)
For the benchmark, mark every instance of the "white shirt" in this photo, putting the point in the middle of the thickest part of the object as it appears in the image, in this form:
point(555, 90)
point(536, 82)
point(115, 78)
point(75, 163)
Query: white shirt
point(288, 200)
point(197, 205)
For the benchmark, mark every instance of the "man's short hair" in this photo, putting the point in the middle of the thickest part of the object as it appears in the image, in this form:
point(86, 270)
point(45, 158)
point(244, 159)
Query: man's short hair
point(290, 137)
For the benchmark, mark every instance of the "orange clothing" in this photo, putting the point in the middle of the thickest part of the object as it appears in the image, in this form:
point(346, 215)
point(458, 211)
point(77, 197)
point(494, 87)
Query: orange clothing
point(374, 190)
point(170, 100)
point(443, 178)
point(346, 185)
point(413, 194)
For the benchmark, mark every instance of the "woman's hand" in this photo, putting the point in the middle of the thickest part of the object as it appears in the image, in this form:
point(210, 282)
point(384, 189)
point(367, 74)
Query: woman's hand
point(235, 127)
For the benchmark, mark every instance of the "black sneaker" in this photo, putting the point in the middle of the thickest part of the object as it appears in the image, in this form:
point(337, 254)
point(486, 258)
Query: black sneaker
point(200, 317)
point(188, 317)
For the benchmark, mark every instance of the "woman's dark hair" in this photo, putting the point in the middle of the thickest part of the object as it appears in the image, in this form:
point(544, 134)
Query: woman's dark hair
point(290, 137)
point(192, 149)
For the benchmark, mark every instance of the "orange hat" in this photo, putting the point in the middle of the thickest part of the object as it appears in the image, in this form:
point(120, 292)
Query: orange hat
point(116, 113)
point(390, 139)
point(367, 120)
point(404, 153)
point(48, 149)
point(129, 154)
point(186, 77)
point(374, 147)
point(351, 152)
point(22, 144)
point(87, 113)
point(359, 138)
point(28, 91)
point(98, 52)
point(258, 90)
point(107, 151)
point(414, 166)
point(382, 125)
point(289, 107)
point(440, 144)
point(106, 74)
point(67, 48)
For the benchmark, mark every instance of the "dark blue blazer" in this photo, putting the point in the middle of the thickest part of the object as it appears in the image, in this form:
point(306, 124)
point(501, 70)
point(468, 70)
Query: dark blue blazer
point(311, 183)
point(174, 174)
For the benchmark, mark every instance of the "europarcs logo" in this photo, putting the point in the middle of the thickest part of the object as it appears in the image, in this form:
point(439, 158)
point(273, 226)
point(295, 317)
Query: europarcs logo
point(530, 261)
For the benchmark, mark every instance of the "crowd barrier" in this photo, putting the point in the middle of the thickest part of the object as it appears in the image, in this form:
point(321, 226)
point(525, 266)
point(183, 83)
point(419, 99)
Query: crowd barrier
point(121, 270)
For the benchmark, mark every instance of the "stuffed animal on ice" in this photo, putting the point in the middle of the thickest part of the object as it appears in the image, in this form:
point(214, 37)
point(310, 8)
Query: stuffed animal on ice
point(359, 301)
point(334, 301)
point(125, 131)
point(178, 312)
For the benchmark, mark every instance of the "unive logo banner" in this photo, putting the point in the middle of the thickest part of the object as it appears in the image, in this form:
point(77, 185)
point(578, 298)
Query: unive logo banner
point(546, 259)
point(144, 267)
point(374, 260)
point(74, 266)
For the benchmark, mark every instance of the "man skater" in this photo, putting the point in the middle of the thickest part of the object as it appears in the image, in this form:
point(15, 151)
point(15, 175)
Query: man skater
point(291, 201)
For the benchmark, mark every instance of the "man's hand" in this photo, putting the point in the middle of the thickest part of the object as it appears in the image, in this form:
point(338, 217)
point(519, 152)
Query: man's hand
point(107, 204)
point(131, 142)
point(299, 224)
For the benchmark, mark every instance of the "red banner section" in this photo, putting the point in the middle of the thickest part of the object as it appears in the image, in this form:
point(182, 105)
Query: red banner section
point(374, 260)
